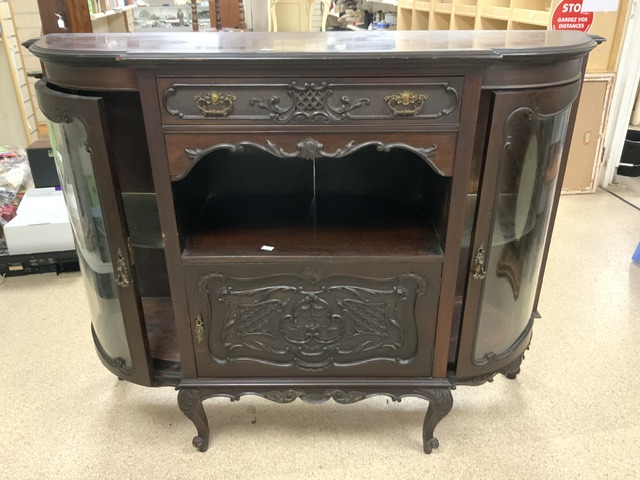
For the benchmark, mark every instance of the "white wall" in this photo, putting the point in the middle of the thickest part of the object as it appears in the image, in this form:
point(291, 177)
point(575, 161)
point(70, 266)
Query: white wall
point(624, 92)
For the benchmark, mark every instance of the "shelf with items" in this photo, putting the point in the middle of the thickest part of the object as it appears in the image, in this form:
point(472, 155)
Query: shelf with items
point(173, 18)
point(116, 20)
point(111, 12)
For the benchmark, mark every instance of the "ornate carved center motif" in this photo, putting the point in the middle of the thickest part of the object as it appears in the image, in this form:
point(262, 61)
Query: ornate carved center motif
point(296, 320)
point(309, 102)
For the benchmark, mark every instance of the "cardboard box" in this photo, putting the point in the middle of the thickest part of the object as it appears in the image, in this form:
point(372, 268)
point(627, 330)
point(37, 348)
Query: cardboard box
point(41, 225)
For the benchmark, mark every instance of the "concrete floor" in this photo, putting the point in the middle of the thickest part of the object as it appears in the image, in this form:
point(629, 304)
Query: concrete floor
point(574, 411)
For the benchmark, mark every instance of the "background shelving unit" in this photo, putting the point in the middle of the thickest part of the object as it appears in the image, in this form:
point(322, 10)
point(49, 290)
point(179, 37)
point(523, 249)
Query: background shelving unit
point(511, 15)
point(118, 20)
point(586, 152)
point(15, 97)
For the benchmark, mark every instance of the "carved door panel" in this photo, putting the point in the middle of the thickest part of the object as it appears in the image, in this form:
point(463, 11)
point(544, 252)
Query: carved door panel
point(79, 140)
point(524, 152)
point(322, 319)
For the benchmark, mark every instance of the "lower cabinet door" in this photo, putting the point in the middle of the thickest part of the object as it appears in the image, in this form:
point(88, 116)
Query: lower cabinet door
point(328, 319)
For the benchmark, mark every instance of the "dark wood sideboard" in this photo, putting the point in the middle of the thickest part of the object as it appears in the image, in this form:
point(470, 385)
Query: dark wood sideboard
point(313, 216)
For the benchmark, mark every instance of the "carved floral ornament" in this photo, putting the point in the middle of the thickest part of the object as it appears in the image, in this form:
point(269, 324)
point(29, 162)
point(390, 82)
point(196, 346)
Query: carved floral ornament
point(309, 101)
point(310, 149)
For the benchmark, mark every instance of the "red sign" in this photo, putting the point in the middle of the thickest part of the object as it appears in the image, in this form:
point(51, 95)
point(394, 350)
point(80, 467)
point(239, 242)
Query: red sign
point(568, 15)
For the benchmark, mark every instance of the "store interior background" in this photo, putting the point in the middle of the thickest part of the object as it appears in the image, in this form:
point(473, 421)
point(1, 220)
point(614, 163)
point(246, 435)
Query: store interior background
point(610, 103)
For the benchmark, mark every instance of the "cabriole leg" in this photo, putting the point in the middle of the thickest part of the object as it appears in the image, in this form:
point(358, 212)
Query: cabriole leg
point(190, 403)
point(440, 404)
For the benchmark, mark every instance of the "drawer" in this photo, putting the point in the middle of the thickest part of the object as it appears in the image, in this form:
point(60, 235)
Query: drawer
point(320, 319)
point(433, 100)
point(184, 150)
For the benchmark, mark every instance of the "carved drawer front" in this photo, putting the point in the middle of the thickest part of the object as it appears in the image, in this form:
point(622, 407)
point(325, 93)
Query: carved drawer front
point(310, 101)
point(323, 320)
point(185, 150)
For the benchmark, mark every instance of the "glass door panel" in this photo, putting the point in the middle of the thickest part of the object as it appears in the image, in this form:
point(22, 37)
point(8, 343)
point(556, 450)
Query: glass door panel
point(526, 186)
point(78, 183)
point(514, 207)
point(77, 128)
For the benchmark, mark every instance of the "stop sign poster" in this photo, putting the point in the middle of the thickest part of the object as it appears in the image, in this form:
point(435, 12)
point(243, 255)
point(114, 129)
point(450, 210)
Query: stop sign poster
point(568, 15)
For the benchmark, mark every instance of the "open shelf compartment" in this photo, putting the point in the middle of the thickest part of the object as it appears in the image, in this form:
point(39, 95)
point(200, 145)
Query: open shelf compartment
point(251, 205)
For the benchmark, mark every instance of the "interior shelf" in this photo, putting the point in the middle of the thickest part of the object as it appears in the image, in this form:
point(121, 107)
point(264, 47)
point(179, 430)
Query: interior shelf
point(301, 225)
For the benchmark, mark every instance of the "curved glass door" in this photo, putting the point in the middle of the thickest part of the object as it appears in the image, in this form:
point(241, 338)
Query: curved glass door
point(517, 197)
point(525, 191)
point(78, 183)
point(79, 140)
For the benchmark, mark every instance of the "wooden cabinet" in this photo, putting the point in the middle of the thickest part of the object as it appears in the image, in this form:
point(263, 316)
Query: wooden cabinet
point(287, 221)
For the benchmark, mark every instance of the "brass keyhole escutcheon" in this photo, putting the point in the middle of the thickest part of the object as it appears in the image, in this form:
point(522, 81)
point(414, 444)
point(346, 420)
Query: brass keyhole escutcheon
point(199, 328)
point(479, 272)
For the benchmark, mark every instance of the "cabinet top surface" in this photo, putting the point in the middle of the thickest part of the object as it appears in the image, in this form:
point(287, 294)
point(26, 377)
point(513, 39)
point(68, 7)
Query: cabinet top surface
point(247, 46)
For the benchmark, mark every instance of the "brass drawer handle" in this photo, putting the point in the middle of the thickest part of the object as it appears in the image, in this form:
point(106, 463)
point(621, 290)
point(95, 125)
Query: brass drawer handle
point(479, 272)
point(406, 104)
point(215, 104)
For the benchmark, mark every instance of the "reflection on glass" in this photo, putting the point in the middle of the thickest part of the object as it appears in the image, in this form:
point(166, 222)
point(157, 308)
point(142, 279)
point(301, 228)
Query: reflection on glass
point(73, 161)
point(526, 186)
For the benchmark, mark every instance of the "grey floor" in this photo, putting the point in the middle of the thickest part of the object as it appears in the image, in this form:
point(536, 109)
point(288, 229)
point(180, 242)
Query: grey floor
point(574, 411)
point(626, 188)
